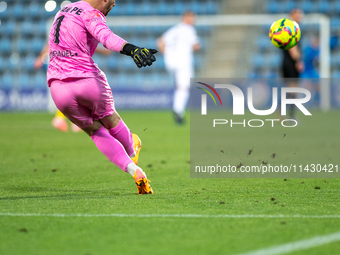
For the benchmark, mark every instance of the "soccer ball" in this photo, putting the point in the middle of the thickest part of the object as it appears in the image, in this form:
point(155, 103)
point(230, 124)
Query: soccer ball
point(285, 33)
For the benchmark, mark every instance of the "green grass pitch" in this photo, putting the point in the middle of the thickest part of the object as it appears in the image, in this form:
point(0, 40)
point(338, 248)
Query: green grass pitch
point(44, 171)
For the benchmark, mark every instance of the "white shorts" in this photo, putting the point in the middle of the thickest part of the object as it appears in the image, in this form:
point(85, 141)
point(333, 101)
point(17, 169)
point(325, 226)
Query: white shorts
point(182, 76)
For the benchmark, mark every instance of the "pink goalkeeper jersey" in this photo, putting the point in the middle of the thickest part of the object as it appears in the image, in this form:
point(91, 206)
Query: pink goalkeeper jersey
point(75, 34)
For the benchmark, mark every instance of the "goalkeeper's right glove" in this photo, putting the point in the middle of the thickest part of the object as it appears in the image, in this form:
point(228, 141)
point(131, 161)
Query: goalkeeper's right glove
point(141, 56)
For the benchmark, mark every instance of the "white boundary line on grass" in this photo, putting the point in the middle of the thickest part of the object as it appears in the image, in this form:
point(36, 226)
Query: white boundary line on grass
point(297, 245)
point(119, 215)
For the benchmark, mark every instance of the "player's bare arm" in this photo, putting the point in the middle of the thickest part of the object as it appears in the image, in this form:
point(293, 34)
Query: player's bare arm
point(161, 45)
point(103, 51)
point(197, 47)
point(296, 55)
point(39, 60)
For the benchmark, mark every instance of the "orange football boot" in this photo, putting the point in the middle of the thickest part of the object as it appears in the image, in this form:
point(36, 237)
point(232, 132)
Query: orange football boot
point(142, 182)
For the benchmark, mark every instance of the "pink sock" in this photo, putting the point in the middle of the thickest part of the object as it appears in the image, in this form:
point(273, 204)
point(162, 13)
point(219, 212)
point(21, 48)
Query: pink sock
point(111, 148)
point(123, 134)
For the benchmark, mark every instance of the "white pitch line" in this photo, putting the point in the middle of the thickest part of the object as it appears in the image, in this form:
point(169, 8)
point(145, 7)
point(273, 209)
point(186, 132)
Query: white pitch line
point(297, 245)
point(119, 215)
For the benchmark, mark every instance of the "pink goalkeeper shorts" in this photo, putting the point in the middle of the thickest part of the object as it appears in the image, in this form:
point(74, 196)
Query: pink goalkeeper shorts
point(83, 100)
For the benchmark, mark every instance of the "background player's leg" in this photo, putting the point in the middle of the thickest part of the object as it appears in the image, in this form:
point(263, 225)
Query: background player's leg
point(118, 129)
point(292, 84)
point(181, 95)
point(59, 121)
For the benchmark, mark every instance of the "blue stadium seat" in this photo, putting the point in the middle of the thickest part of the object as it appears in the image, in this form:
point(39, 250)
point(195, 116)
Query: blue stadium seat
point(124, 63)
point(24, 46)
point(6, 80)
point(28, 62)
point(204, 43)
point(306, 6)
point(324, 7)
point(3, 64)
point(335, 22)
point(146, 9)
point(26, 81)
point(334, 59)
point(130, 9)
point(101, 61)
point(37, 45)
point(152, 42)
point(162, 6)
point(112, 63)
point(18, 11)
point(13, 65)
point(2, 29)
point(288, 6)
point(40, 80)
point(27, 27)
point(41, 28)
point(153, 9)
point(10, 27)
point(336, 74)
point(263, 43)
point(315, 6)
point(5, 14)
point(257, 61)
point(273, 7)
point(159, 64)
point(120, 81)
point(211, 7)
point(158, 30)
point(203, 30)
point(337, 7)
point(34, 9)
point(5, 46)
point(337, 60)
point(274, 60)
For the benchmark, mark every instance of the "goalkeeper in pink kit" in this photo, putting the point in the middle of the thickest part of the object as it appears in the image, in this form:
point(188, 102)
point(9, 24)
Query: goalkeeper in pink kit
point(80, 89)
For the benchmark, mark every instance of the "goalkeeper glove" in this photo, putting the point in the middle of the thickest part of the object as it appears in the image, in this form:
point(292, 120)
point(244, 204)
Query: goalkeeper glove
point(141, 56)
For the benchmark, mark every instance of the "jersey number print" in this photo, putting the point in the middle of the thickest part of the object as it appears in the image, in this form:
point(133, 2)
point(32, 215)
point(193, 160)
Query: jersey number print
point(57, 25)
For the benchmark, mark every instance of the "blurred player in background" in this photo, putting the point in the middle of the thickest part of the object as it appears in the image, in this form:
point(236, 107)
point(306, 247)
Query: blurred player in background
point(292, 64)
point(311, 59)
point(59, 119)
point(178, 44)
point(80, 89)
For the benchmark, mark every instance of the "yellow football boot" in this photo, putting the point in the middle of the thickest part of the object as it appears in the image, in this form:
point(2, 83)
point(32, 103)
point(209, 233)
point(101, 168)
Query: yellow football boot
point(137, 144)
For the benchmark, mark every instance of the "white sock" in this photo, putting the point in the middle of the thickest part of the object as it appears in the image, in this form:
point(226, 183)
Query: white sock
point(131, 168)
point(181, 97)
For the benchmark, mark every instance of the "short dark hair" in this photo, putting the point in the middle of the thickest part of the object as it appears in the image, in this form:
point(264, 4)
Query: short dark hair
point(295, 10)
point(188, 12)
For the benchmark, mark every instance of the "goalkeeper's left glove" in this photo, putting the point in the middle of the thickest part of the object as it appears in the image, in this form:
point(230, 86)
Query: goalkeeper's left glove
point(141, 56)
